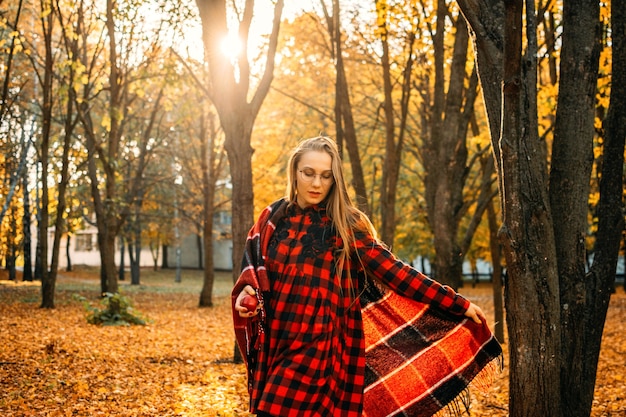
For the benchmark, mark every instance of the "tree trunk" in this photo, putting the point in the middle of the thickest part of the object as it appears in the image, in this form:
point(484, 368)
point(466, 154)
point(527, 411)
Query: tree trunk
point(108, 270)
point(486, 22)
point(38, 266)
point(445, 151)
point(344, 123)
point(390, 161)
point(237, 145)
point(48, 282)
point(496, 254)
point(60, 223)
point(394, 135)
point(589, 294)
point(230, 95)
point(239, 157)
point(531, 289)
point(135, 266)
point(527, 235)
point(200, 247)
point(68, 258)
point(111, 224)
point(11, 245)
point(164, 261)
point(207, 152)
point(28, 261)
point(120, 268)
point(612, 184)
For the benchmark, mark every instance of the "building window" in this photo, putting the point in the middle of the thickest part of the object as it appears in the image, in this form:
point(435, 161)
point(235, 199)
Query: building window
point(222, 218)
point(84, 242)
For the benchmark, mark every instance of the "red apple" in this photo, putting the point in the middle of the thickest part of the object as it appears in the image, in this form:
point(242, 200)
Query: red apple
point(249, 302)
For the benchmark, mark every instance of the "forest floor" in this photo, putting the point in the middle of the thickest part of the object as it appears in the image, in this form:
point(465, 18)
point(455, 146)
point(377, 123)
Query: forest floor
point(54, 363)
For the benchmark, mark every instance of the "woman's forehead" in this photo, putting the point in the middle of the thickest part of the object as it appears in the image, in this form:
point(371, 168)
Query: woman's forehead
point(318, 160)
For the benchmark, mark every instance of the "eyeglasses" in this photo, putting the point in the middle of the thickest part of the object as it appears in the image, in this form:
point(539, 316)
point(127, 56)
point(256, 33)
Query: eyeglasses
point(308, 175)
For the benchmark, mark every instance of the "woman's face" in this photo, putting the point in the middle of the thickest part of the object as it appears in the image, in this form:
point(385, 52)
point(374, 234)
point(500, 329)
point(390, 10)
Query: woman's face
point(314, 178)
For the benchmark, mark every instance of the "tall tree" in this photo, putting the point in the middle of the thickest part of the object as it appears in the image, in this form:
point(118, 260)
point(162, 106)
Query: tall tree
point(207, 152)
point(26, 223)
point(546, 284)
point(600, 281)
point(229, 92)
point(115, 97)
point(48, 282)
point(345, 129)
point(107, 153)
point(571, 164)
point(211, 163)
point(445, 153)
point(69, 120)
point(395, 133)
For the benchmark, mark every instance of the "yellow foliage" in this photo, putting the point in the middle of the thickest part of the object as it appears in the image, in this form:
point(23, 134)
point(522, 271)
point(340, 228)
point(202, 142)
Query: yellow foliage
point(106, 122)
point(46, 11)
point(597, 121)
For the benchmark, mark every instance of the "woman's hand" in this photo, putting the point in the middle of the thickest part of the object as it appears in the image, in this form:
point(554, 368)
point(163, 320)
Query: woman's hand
point(243, 311)
point(475, 313)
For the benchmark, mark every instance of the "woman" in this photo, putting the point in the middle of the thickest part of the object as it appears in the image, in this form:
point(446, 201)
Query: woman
point(308, 259)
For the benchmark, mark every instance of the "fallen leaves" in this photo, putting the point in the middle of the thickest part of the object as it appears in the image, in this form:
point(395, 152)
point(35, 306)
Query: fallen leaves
point(610, 390)
point(53, 363)
point(56, 364)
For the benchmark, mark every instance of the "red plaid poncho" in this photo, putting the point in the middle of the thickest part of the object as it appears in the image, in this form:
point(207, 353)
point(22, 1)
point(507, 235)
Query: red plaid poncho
point(314, 351)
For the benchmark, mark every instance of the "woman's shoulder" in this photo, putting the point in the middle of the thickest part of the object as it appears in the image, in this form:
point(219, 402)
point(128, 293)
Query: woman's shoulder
point(277, 203)
point(274, 207)
point(274, 212)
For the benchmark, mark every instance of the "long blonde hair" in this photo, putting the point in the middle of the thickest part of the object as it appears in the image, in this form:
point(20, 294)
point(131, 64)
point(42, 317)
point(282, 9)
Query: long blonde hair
point(346, 217)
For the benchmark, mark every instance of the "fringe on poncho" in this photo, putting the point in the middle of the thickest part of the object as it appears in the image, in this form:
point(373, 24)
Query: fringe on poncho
point(419, 360)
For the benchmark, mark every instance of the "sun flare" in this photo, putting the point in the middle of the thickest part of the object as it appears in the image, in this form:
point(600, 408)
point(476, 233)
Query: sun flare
point(231, 46)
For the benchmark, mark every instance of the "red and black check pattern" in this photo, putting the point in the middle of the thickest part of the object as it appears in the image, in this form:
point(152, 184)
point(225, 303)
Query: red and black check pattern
point(420, 359)
point(306, 351)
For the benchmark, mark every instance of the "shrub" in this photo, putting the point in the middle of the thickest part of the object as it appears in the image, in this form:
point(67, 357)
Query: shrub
point(117, 311)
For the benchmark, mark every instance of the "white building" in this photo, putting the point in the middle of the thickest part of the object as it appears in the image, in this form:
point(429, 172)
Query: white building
point(83, 248)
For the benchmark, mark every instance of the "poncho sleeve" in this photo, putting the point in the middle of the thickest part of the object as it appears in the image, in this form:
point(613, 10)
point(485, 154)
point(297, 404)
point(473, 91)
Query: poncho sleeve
point(418, 359)
point(405, 280)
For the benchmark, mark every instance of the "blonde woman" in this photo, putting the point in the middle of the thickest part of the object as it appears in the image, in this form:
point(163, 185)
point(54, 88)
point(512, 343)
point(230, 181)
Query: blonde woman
point(308, 261)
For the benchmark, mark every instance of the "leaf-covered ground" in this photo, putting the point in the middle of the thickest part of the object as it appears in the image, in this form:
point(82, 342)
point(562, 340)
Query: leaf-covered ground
point(53, 363)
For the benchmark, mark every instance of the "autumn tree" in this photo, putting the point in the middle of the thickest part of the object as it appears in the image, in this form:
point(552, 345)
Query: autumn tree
point(236, 106)
point(68, 117)
point(449, 109)
point(434, 103)
point(202, 164)
point(395, 108)
point(599, 281)
point(554, 308)
point(305, 48)
point(212, 163)
point(45, 78)
point(345, 128)
point(106, 216)
point(113, 98)
point(18, 124)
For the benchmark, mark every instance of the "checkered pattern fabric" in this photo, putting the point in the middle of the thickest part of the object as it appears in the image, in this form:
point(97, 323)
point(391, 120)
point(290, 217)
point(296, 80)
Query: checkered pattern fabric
point(316, 350)
point(420, 359)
